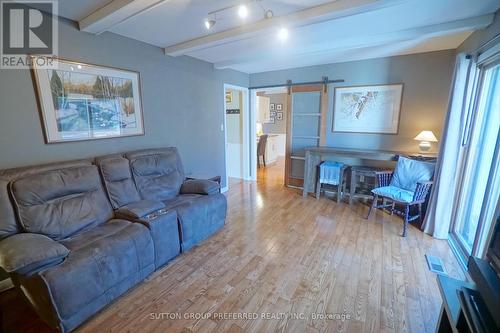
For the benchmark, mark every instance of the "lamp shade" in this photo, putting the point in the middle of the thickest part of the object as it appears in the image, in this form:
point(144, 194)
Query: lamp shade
point(426, 136)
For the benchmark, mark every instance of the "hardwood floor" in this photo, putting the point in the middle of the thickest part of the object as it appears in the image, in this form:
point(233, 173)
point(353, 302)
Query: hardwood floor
point(283, 254)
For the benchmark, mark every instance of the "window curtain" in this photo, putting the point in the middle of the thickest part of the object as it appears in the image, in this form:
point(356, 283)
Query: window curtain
point(439, 213)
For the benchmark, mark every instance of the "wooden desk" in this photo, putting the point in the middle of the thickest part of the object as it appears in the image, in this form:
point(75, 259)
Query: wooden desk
point(450, 314)
point(315, 155)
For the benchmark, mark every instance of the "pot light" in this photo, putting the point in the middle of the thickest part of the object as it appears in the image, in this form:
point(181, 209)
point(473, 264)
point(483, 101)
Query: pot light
point(283, 34)
point(209, 24)
point(242, 11)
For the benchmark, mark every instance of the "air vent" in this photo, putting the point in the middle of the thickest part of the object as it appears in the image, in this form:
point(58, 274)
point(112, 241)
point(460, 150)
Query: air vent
point(435, 265)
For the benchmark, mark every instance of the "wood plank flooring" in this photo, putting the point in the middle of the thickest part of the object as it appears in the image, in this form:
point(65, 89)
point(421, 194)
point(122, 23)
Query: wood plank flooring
point(282, 263)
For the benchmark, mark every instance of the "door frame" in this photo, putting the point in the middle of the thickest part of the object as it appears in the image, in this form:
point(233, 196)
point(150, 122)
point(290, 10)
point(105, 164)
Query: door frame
point(253, 128)
point(245, 103)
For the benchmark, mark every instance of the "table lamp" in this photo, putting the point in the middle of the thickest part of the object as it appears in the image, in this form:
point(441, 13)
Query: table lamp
point(425, 138)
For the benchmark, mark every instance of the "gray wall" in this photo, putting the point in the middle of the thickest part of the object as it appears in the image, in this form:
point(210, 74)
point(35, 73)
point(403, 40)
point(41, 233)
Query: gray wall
point(426, 78)
point(182, 100)
point(279, 126)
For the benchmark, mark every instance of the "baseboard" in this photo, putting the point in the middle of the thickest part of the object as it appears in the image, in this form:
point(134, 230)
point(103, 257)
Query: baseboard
point(5, 285)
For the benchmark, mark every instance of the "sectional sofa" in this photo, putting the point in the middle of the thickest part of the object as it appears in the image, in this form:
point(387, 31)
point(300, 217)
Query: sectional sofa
point(76, 235)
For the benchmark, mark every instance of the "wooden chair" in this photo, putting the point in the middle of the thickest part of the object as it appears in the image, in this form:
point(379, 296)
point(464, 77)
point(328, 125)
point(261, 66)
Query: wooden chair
point(261, 149)
point(413, 193)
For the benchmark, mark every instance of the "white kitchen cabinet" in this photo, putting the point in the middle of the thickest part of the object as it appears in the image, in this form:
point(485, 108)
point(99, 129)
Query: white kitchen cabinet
point(275, 147)
point(263, 106)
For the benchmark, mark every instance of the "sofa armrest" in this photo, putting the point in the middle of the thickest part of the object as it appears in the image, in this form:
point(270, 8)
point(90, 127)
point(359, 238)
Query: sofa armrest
point(26, 252)
point(139, 209)
point(200, 186)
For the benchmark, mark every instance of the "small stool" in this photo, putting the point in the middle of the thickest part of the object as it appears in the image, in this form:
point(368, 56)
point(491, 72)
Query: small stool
point(331, 173)
point(358, 176)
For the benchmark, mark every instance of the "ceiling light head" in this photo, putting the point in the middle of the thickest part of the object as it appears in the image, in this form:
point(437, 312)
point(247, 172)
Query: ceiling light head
point(269, 14)
point(283, 34)
point(242, 11)
point(209, 24)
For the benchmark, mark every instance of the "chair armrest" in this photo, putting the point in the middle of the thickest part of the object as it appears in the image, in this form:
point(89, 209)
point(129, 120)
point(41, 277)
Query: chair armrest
point(26, 252)
point(139, 209)
point(200, 186)
point(422, 190)
point(384, 177)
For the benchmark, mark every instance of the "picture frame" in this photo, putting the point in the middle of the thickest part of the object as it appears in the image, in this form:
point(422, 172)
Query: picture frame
point(80, 101)
point(279, 107)
point(279, 116)
point(271, 120)
point(229, 97)
point(272, 106)
point(272, 114)
point(367, 109)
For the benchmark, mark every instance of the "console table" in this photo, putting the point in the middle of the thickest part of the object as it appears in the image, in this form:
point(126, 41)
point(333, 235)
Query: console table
point(315, 155)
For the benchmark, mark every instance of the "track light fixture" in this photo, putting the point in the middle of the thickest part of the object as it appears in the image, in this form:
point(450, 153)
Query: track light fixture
point(242, 9)
point(209, 23)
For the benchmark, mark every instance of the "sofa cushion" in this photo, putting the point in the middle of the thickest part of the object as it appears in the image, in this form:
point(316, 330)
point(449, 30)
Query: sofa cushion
point(140, 208)
point(118, 181)
point(394, 193)
point(158, 173)
point(199, 216)
point(183, 199)
point(200, 186)
point(62, 202)
point(99, 259)
point(8, 219)
point(23, 253)
point(409, 172)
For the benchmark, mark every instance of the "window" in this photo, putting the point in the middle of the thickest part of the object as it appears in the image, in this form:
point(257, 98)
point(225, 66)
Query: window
point(480, 177)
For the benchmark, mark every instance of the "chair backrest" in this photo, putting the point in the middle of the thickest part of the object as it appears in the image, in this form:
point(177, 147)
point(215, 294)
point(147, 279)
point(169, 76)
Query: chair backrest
point(8, 220)
point(261, 148)
point(158, 173)
point(409, 172)
point(118, 181)
point(59, 203)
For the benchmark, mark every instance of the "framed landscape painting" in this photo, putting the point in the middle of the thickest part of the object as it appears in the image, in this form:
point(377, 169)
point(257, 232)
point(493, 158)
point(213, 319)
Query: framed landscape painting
point(367, 109)
point(84, 102)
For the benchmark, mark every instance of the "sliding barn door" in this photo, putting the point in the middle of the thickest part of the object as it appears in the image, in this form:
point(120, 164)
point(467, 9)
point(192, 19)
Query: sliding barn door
point(306, 127)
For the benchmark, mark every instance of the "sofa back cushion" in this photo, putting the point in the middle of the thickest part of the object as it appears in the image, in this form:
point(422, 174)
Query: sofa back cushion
point(118, 181)
point(60, 203)
point(8, 219)
point(158, 173)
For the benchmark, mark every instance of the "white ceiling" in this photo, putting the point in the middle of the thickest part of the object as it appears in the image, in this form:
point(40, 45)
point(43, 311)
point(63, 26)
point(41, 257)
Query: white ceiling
point(338, 31)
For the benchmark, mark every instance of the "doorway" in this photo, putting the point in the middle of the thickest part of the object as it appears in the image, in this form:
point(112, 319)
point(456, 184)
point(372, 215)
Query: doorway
point(270, 120)
point(236, 130)
point(302, 124)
